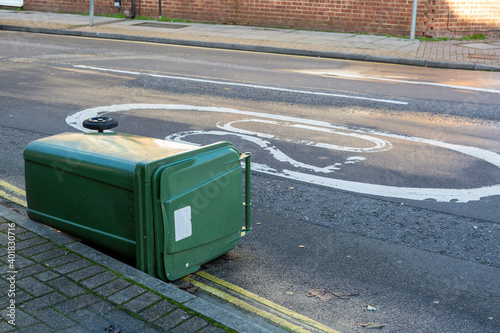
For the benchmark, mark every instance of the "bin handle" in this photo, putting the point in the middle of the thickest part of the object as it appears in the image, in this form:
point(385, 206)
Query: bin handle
point(247, 203)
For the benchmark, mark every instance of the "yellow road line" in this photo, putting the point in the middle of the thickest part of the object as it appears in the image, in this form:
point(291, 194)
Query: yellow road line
point(13, 199)
point(266, 302)
point(246, 306)
point(12, 188)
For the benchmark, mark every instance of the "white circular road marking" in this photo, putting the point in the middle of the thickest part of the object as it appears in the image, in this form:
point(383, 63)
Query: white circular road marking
point(413, 193)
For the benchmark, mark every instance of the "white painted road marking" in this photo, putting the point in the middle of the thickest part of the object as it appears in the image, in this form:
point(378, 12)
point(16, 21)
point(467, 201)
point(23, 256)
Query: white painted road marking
point(264, 144)
point(413, 193)
point(239, 84)
point(380, 145)
point(391, 79)
point(258, 139)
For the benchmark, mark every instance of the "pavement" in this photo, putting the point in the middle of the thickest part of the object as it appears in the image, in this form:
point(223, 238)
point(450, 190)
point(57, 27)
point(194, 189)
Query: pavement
point(52, 282)
point(456, 54)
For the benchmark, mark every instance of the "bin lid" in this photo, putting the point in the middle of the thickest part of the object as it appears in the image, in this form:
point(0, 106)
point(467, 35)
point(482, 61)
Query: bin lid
point(200, 211)
point(108, 157)
point(128, 147)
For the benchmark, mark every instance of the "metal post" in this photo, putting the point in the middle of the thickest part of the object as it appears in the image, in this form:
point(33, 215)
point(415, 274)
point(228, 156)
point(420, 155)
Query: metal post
point(91, 13)
point(413, 19)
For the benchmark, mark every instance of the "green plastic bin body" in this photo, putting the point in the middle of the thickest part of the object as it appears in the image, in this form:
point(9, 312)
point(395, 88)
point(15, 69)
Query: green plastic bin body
point(170, 206)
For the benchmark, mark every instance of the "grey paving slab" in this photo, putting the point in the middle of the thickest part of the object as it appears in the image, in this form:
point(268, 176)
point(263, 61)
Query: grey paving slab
point(367, 38)
point(374, 46)
point(88, 319)
point(101, 307)
point(206, 34)
point(191, 325)
point(325, 39)
point(31, 16)
point(39, 249)
point(289, 38)
point(99, 279)
point(73, 266)
point(4, 327)
point(3, 239)
point(397, 41)
point(29, 270)
point(252, 36)
point(112, 287)
point(172, 319)
point(54, 319)
point(25, 235)
point(22, 262)
point(39, 328)
point(125, 320)
point(86, 273)
point(21, 297)
point(49, 255)
point(77, 303)
point(22, 318)
point(62, 260)
point(350, 43)
point(47, 275)
point(139, 303)
point(66, 286)
point(33, 286)
point(149, 329)
point(45, 301)
point(157, 310)
point(29, 243)
point(82, 329)
point(126, 294)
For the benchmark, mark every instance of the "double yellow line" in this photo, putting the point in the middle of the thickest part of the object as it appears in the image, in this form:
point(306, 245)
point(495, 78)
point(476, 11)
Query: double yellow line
point(276, 314)
point(15, 197)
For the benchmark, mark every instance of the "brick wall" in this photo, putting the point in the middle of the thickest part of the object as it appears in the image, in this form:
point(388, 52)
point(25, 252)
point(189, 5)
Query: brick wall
point(461, 17)
point(382, 16)
point(377, 16)
point(101, 7)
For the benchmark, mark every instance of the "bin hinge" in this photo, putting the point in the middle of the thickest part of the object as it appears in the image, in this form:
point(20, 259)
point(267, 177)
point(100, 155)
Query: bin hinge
point(247, 203)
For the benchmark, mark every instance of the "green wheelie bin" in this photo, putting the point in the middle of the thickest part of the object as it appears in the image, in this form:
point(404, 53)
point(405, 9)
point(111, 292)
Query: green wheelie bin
point(169, 206)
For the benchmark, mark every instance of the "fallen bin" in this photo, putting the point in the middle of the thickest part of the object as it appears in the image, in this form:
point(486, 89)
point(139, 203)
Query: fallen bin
point(170, 206)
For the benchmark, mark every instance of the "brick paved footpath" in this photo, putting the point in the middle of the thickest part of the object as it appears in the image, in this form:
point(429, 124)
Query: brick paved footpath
point(461, 54)
point(59, 290)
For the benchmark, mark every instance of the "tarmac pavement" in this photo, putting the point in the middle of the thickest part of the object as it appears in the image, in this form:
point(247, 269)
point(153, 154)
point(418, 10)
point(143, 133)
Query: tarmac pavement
point(457, 54)
point(65, 286)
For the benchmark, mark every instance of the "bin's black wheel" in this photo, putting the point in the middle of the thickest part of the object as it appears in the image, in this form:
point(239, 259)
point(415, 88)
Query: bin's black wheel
point(100, 123)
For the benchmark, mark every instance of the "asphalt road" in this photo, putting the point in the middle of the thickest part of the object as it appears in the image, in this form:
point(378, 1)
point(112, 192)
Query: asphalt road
point(368, 179)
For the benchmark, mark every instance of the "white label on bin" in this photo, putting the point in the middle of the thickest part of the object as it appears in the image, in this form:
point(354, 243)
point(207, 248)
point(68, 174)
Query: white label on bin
point(183, 226)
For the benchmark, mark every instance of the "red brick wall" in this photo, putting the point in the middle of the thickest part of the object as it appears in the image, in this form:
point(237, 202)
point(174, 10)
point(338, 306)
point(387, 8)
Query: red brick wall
point(376, 16)
point(382, 16)
point(461, 17)
point(101, 7)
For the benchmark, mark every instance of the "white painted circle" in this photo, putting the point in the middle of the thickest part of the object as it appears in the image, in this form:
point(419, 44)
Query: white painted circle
point(413, 193)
